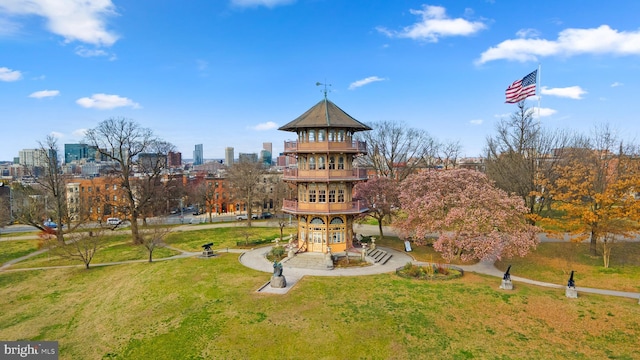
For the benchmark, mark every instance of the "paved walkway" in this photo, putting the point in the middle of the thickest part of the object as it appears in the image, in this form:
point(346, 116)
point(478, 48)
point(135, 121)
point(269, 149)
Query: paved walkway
point(256, 259)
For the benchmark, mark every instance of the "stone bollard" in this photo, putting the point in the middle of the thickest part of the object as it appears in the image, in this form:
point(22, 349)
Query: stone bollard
point(506, 285)
point(373, 243)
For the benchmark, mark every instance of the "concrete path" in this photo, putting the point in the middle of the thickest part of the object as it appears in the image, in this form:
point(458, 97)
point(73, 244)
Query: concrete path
point(256, 260)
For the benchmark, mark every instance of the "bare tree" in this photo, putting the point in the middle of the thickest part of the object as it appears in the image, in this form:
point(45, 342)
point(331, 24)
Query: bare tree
point(80, 246)
point(449, 153)
point(5, 205)
point(396, 150)
point(53, 182)
point(521, 154)
point(29, 205)
point(153, 237)
point(246, 185)
point(132, 149)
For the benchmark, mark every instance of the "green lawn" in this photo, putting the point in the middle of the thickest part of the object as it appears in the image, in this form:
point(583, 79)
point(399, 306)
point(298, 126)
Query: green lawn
point(14, 249)
point(553, 262)
point(208, 309)
point(117, 248)
point(221, 238)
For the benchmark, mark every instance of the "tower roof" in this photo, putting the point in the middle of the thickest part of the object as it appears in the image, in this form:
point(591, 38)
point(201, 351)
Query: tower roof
point(325, 114)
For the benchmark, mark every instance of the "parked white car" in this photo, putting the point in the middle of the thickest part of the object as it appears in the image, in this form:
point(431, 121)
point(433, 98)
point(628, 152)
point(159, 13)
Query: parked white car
point(114, 221)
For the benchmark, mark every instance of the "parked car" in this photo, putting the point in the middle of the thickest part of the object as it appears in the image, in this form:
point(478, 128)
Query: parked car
point(244, 217)
point(197, 212)
point(50, 224)
point(267, 215)
point(114, 221)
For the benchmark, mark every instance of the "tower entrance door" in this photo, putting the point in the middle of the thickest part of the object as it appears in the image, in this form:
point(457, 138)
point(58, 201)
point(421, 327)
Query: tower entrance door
point(317, 241)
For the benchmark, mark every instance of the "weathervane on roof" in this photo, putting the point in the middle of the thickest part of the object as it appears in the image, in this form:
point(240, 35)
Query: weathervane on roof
point(325, 88)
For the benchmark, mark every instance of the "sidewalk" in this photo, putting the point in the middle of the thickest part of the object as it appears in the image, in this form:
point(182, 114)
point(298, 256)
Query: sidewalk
point(255, 259)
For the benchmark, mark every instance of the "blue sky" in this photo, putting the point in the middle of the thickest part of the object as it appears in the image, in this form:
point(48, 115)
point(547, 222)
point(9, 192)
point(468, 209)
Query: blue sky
point(229, 72)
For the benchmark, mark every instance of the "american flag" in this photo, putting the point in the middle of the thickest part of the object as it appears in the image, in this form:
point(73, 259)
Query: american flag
point(522, 89)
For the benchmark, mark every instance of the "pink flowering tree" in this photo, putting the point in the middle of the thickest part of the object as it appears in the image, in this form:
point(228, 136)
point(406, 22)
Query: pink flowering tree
point(472, 218)
point(381, 196)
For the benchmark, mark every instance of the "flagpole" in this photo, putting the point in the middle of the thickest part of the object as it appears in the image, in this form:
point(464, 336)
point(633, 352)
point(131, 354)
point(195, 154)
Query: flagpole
point(539, 91)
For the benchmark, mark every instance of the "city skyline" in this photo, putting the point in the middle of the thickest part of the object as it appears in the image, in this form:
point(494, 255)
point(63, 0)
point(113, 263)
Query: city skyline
point(229, 73)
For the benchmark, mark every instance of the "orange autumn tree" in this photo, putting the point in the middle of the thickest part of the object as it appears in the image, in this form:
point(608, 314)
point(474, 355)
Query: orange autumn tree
point(595, 190)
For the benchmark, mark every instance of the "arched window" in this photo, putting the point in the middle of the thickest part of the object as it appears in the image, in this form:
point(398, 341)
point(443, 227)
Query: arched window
point(337, 220)
point(321, 165)
point(341, 163)
point(332, 162)
point(317, 220)
point(312, 163)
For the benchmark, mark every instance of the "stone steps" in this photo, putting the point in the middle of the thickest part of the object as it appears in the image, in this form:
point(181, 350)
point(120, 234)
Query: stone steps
point(379, 256)
point(307, 261)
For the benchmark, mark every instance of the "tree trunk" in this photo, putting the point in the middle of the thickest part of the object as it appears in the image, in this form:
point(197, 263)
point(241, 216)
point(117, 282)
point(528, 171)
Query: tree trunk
point(593, 244)
point(150, 255)
point(134, 230)
point(380, 228)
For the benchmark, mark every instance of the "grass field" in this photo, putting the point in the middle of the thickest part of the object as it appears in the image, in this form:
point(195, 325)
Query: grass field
point(208, 308)
point(221, 238)
point(553, 262)
point(195, 308)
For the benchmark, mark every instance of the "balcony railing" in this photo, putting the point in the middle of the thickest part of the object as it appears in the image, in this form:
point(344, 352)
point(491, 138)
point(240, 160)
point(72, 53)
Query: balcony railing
point(324, 175)
point(325, 146)
point(350, 207)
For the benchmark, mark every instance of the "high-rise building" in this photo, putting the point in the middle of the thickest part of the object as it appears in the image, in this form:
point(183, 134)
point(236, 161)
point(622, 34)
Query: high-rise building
point(228, 156)
point(265, 158)
point(34, 157)
point(268, 147)
point(77, 152)
point(174, 159)
point(198, 158)
point(248, 157)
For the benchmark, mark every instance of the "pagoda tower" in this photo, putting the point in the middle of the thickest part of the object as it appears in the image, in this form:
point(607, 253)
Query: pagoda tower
point(325, 176)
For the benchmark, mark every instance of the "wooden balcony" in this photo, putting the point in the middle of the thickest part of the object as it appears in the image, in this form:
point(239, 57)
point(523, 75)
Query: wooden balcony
point(351, 207)
point(324, 175)
point(359, 147)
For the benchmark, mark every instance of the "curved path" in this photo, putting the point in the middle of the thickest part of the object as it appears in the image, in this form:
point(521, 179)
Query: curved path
point(256, 260)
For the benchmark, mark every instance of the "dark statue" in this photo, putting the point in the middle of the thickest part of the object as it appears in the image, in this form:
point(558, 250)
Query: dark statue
point(571, 283)
point(277, 268)
point(207, 247)
point(507, 276)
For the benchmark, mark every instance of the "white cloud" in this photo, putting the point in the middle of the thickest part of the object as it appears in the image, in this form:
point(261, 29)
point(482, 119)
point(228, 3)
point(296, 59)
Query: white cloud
point(570, 42)
point(74, 20)
point(266, 3)
point(435, 24)
point(57, 135)
point(616, 84)
point(79, 133)
point(269, 125)
point(571, 92)
point(7, 74)
point(365, 81)
point(476, 122)
point(84, 52)
point(543, 111)
point(44, 93)
point(106, 101)
point(528, 33)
